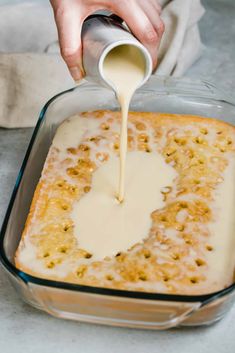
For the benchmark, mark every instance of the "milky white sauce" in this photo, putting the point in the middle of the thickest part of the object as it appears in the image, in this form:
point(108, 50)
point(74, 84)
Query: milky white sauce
point(104, 226)
point(72, 130)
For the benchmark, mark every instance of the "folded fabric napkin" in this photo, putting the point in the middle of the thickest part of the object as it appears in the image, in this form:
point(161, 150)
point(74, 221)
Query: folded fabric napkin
point(32, 71)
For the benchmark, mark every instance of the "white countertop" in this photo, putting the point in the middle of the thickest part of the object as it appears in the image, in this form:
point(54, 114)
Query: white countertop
point(24, 329)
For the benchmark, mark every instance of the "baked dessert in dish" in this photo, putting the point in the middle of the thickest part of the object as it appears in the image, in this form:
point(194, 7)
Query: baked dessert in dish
point(189, 247)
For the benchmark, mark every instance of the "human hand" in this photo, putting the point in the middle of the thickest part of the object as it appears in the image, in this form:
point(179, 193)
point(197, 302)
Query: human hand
point(141, 16)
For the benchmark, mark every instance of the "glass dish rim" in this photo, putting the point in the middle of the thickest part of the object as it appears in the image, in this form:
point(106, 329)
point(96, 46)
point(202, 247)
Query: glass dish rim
point(26, 278)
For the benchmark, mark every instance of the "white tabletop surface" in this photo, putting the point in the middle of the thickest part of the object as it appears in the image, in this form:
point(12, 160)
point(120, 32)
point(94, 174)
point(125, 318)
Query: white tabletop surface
point(24, 329)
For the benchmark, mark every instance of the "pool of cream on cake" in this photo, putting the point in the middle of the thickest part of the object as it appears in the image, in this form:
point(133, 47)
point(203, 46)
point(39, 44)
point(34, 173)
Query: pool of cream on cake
point(105, 227)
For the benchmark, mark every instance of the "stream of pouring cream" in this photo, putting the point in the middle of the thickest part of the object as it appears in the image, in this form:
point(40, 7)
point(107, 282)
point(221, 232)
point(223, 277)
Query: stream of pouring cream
point(124, 68)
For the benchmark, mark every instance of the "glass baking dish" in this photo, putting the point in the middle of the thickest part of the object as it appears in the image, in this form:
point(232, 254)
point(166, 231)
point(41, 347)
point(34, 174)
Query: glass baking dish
point(100, 305)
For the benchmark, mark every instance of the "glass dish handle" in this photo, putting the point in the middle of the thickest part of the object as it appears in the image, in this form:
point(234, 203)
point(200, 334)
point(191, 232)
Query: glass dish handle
point(183, 313)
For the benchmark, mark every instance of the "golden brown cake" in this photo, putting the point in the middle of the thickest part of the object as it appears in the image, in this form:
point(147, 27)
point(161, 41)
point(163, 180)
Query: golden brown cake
point(190, 245)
